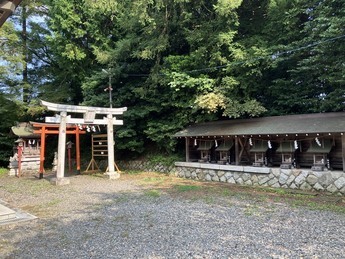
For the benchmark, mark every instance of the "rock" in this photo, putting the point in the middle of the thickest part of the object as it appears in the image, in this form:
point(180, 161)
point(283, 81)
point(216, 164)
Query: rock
point(283, 179)
point(245, 177)
point(228, 175)
point(239, 181)
point(312, 179)
point(222, 179)
point(276, 185)
point(231, 180)
point(331, 188)
point(305, 186)
point(208, 177)
point(342, 190)
point(215, 178)
point(293, 186)
point(326, 179)
point(220, 173)
point(255, 179)
point(318, 187)
point(300, 179)
point(290, 179)
point(340, 183)
point(248, 182)
point(212, 173)
point(263, 179)
point(187, 174)
point(236, 175)
point(272, 182)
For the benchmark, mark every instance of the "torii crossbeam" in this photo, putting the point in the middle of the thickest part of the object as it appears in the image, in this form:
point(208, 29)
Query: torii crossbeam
point(89, 118)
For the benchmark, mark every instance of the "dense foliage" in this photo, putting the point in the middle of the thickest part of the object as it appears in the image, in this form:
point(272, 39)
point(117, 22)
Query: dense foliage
point(176, 62)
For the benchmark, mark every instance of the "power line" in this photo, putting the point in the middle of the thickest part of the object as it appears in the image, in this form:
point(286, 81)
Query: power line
point(272, 56)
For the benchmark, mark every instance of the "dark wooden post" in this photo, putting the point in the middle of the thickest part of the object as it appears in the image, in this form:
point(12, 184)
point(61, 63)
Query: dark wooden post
point(187, 149)
point(237, 153)
point(343, 148)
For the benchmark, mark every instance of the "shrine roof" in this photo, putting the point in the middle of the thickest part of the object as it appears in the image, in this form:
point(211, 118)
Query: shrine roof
point(274, 125)
point(24, 130)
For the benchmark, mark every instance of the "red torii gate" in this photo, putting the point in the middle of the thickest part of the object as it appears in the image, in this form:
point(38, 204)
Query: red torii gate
point(45, 129)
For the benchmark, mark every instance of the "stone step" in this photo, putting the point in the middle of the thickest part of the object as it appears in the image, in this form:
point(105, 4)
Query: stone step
point(6, 213)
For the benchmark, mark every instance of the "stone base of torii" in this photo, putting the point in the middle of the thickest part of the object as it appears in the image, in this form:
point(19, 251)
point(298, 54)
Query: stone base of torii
point(89, 117)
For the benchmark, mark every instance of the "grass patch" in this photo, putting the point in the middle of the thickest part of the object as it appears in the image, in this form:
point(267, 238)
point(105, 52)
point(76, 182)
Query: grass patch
point(3, 171)
point(187, 188)
point(153, 179)
point(152, 193)
point(53, 202)
point(133, 172)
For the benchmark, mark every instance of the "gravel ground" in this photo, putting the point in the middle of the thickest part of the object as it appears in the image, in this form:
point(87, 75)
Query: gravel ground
point(127, 218)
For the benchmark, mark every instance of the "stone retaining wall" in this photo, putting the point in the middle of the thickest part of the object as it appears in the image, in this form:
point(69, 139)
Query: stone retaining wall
point(303, 179)
point(29, 166)
point(145, 166)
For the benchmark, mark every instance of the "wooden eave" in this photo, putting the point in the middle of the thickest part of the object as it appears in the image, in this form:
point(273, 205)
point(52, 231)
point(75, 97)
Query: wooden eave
point(7, 7)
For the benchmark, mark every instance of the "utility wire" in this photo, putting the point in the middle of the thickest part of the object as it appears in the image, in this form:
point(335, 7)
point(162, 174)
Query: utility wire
point(272, 56)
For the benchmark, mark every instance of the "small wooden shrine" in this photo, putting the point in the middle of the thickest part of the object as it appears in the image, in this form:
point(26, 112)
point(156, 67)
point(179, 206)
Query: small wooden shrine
point(204, 146)
point(29, 152)
point(223, 151)
point(26, 151)
point(259, 149)
point(320, 150)
point(287, 151)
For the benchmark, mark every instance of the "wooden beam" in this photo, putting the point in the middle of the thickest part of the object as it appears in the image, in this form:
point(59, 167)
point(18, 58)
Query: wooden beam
point(55, 132)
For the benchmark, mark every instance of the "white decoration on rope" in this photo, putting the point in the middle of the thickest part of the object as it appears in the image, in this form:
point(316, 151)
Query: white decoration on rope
point(195, 142)
point(250, 142)
point(269, 144)
point(318, 141)
point(216, 143)
point(296, 144)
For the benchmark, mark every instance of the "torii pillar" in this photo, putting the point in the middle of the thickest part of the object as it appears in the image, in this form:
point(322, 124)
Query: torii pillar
point(60, 172)
point(89, 118)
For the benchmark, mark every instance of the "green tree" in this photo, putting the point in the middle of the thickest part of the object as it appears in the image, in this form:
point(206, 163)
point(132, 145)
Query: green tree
point(307, 70)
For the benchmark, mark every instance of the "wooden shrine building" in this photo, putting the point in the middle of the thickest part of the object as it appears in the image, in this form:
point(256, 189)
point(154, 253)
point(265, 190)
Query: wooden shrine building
point(31, 145)
point(314, 141)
